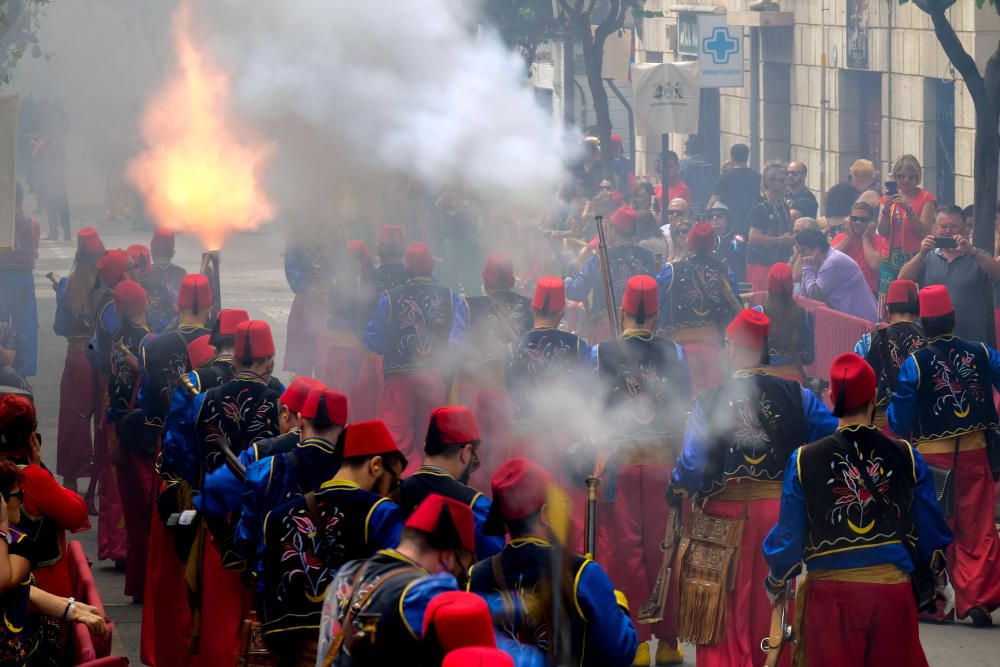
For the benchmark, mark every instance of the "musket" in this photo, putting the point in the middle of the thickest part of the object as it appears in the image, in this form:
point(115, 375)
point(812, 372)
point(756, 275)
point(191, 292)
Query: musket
point(590, 517)
point(233, 461)
point(210, 269)
point(781, 633)
point(654, 609)
point(609, 289)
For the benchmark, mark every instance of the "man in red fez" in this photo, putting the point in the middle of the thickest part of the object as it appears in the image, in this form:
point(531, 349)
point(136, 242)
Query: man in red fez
point(453, 620)
point(498, 320)
point(384, 598)
point(413, 328)
point(309, 268)
point(356, 520)
point(888, 346)
point(600, 632)
point(451, 455)
point(736, 447)
point(477, 656)
point(625, 258)
point(389, 247)
point(648, 391)
point(131, 445)
point(943, 405)
point(700, 297)
point(861, 509)
point(165, 272)
point(161, 303)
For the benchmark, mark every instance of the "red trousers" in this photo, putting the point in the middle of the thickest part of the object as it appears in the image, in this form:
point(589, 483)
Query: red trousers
point(494, 413)
point(974, 555)
point(630, 529)
point(704, 360)
point(748, 611)
point(860, 625)
point(756, 275)
point(111, 537)
point(405, 406)
point(166, 616)
point(342, 368)
point(135, 484)
point(224, 603)
point(306, 321)
point(74, 439)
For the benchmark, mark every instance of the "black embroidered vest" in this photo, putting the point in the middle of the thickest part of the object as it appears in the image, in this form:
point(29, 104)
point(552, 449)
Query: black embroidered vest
point(624, 261)
point(843, 514)
point(642, 376)
point(541, 358)
point(699, 295)
point(498, 320)
point(755, 422)
point(889, 348)
point(165, 360)
point(427, 480)
point(300, 561)
point(420, 317)
point(954, 391)
point(389, 276)
point(242, 410)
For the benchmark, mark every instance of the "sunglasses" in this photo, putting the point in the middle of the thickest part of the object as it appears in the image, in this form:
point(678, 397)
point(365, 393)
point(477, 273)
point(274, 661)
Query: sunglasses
point(17, 494)
point(676, 212)
point(856, 218)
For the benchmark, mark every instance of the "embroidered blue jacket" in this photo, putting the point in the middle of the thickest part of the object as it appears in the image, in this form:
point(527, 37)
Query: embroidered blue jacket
point(625, 260)
point(937, 398)
point(786, 544)
point(539, 359)
point(693, 292)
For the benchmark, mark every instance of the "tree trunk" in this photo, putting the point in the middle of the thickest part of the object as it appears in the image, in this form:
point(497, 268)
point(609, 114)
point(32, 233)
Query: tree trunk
point(593, 60)
point(987, 157)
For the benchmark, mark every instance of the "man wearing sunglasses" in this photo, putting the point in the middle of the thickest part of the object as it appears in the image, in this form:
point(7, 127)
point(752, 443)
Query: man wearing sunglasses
point(450, 458)
point(862, 243)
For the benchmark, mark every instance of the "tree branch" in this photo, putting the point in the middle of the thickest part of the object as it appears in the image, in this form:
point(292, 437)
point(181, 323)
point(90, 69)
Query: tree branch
point(934, 6)
point(957, 54)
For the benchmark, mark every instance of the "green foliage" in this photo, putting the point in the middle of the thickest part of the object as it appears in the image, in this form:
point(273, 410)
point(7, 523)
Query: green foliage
point(19, 23)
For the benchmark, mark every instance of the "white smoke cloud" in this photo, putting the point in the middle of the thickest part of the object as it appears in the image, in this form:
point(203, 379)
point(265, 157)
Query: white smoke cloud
point(391, 87)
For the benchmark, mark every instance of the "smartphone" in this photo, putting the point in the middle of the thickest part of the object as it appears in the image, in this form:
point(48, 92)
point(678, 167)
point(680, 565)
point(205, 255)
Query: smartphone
point(891, 189)
point(944, 242)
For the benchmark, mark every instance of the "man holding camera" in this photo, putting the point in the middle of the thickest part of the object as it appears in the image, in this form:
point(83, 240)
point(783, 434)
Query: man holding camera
point(947, 257)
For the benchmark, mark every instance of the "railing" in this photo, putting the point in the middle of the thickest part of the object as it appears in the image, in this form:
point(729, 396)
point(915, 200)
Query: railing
point(88, 649)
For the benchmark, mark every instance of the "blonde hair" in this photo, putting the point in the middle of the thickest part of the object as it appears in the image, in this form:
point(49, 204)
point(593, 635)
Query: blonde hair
point(907, 161)
point(863, 168)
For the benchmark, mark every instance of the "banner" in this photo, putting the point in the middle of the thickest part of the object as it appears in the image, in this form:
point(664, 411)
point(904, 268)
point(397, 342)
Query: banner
point(9, 105)
point(665, 97)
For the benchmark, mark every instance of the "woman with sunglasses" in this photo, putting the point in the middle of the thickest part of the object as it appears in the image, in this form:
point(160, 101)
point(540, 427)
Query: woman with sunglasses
point(862, 243)
point(906, 217)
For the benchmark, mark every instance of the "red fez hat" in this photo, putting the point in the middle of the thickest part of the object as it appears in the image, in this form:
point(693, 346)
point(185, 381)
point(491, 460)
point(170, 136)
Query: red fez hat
point(852, 383)
point(450, 425)
point(550, 295)
point(390, 235)
point(229, 319)
point(162, 242)
point(701, 238)
point(253, 340)
point(477, 656)
point(520, 487)
point(200, 351)
point(294, 396)
point(111, 266)
point(498, 272)
point(779, 279)
point(448, 523)
point(130, 298)
point(749, 329)
point(368, 439)
point(325, 407)
point(360, 251)
point(195, 292)
point(140, 257)
point(902, 291)
point(17, 421)
point(88, 241)
point(458, 618)
point(641, 298)
point(624, 220)
point(418, 259)
point(935, 302)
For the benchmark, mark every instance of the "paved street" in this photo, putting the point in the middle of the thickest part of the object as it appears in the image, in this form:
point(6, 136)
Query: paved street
point(260, 287)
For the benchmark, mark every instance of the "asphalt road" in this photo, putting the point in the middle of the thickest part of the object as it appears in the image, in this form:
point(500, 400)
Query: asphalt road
point(253, 278)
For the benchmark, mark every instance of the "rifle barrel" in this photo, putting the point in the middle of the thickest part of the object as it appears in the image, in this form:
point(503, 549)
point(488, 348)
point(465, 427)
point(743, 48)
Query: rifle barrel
point(609, 290)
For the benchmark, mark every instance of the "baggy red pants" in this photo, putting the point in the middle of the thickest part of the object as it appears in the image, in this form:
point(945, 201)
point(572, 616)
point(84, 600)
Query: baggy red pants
point(974, 555)
point(166, 616)
point(74, 439)
point(306, 321)
point(225, 601)
point(111, 536)
point(860, 625)
point(135, 484)
point(494, 413)
point(748, 611)
point(405, 406)
point(630, 529)
point(340, 366)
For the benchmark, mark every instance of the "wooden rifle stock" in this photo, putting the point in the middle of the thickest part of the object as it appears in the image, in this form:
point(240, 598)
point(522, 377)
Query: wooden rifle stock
point(781, 632)
point(654, 609)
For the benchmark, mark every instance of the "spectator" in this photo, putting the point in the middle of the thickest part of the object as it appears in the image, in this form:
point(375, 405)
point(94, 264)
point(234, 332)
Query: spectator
point(837, 207)
point(967, 272)
point(17, 289)
point(863, 176)
point(862, 244)
point(731, 245)
point(832, 277)
point(679, 216)
point(806, 223)
point(770, 238)
point(698, 172)
point(905, 219)
point(801, 201)
point(738, 188)
point(649, 235)
point(676, 188)
point(643, 199)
